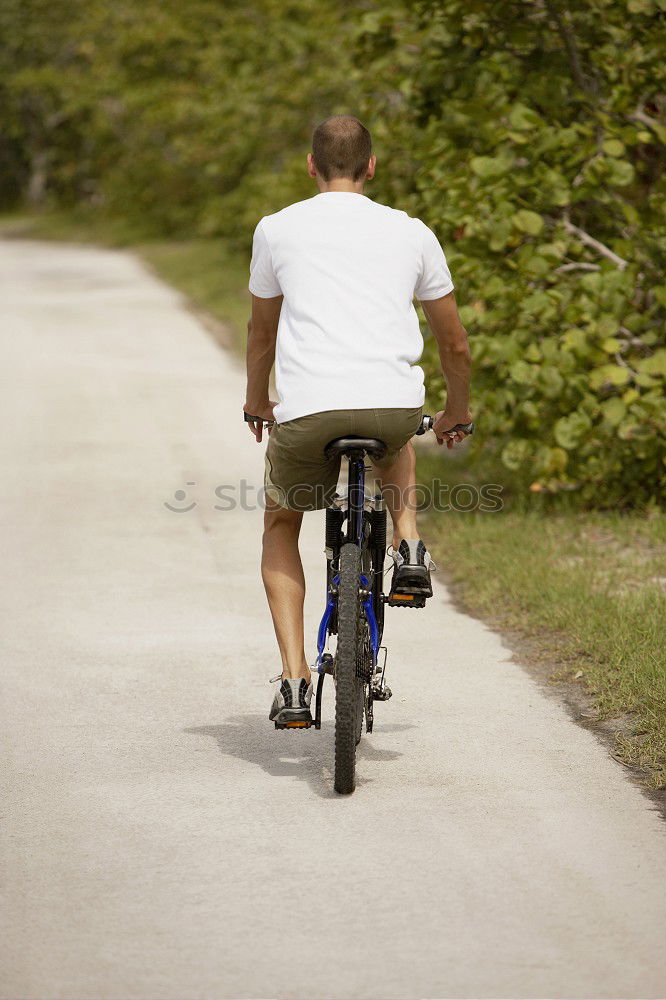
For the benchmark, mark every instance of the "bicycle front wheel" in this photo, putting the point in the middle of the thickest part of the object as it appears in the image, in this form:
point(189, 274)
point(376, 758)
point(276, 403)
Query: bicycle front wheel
point(347, 683)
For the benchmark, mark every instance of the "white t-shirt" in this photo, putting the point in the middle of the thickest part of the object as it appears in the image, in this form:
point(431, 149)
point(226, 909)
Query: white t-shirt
point(348, 268)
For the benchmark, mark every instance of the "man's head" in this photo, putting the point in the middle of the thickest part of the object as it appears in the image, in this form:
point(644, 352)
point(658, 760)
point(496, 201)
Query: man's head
point(341, 152)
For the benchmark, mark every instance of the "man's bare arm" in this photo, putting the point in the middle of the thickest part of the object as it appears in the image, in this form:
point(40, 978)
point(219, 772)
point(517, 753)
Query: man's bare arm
point(456, 361)
point(261, 337)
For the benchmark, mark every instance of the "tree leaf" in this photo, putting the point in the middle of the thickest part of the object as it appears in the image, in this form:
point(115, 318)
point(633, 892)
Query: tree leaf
point(527, 221)
point(613, 147)
point(488, 166)
point(614, 410)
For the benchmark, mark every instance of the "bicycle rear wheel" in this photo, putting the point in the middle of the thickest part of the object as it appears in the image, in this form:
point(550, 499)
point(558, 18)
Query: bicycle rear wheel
point(348, 686)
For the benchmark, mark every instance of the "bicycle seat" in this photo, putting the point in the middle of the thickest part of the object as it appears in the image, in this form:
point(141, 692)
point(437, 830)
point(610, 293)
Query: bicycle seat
point(347, 445)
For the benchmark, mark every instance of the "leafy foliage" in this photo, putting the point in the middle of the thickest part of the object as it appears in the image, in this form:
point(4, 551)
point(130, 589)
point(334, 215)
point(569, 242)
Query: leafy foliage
point(529, 134)
point(531, 137)
point(185, 118)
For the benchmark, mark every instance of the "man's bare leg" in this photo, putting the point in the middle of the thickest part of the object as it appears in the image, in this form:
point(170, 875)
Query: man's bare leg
point(282, 573)
point(399, 488)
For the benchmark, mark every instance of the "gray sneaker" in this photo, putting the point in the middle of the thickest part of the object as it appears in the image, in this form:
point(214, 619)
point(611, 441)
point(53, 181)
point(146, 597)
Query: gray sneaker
point(291, 705)
point(412, 565)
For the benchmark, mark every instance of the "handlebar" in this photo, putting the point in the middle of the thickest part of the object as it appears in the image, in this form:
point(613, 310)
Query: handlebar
point(249, 419)
point(428, 422)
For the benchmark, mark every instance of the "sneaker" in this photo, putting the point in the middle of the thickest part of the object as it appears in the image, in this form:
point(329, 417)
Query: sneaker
point(412, 565)
point(292, 701)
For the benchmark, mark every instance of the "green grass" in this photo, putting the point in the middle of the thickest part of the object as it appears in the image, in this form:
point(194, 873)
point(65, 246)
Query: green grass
point(587, 589)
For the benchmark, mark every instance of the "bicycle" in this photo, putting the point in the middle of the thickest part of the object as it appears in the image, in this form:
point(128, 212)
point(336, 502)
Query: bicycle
point(355, 546)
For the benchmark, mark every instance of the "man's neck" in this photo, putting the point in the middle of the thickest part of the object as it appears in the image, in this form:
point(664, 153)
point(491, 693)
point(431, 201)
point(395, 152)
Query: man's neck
point(340, 184)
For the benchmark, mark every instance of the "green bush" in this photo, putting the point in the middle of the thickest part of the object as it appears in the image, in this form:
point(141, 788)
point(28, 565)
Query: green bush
point(529, 137)
point(184, 118)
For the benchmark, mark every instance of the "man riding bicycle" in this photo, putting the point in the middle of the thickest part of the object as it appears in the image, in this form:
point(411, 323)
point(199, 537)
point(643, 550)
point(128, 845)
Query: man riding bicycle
point(333, 279)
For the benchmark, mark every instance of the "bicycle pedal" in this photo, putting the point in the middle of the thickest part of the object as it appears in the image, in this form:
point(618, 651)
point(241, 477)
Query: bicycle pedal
point(295, 724)
point(406, 601)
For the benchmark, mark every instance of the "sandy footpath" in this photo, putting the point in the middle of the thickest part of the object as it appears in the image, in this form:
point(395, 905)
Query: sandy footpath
point(159, 838)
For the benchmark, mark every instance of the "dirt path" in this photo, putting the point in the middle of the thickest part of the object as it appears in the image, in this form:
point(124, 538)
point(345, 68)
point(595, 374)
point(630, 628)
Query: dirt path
point(160, 839)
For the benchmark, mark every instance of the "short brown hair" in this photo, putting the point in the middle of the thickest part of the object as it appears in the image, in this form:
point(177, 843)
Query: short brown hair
point(341, 147)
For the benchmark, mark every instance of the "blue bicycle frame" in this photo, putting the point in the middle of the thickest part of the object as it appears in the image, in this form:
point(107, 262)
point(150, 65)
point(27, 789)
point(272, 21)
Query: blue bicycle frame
point(355, 533)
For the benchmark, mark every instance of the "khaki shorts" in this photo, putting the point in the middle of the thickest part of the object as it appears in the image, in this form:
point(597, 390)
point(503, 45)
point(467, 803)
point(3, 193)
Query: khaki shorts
point(299, 476)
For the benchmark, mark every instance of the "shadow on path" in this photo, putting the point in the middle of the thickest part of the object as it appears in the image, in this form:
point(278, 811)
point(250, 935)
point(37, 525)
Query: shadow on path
point(304, 754)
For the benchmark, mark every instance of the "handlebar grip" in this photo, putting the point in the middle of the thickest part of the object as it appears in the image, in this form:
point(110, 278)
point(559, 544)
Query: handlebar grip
point(465, 428)
point(428, 422)
point(250, 419)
